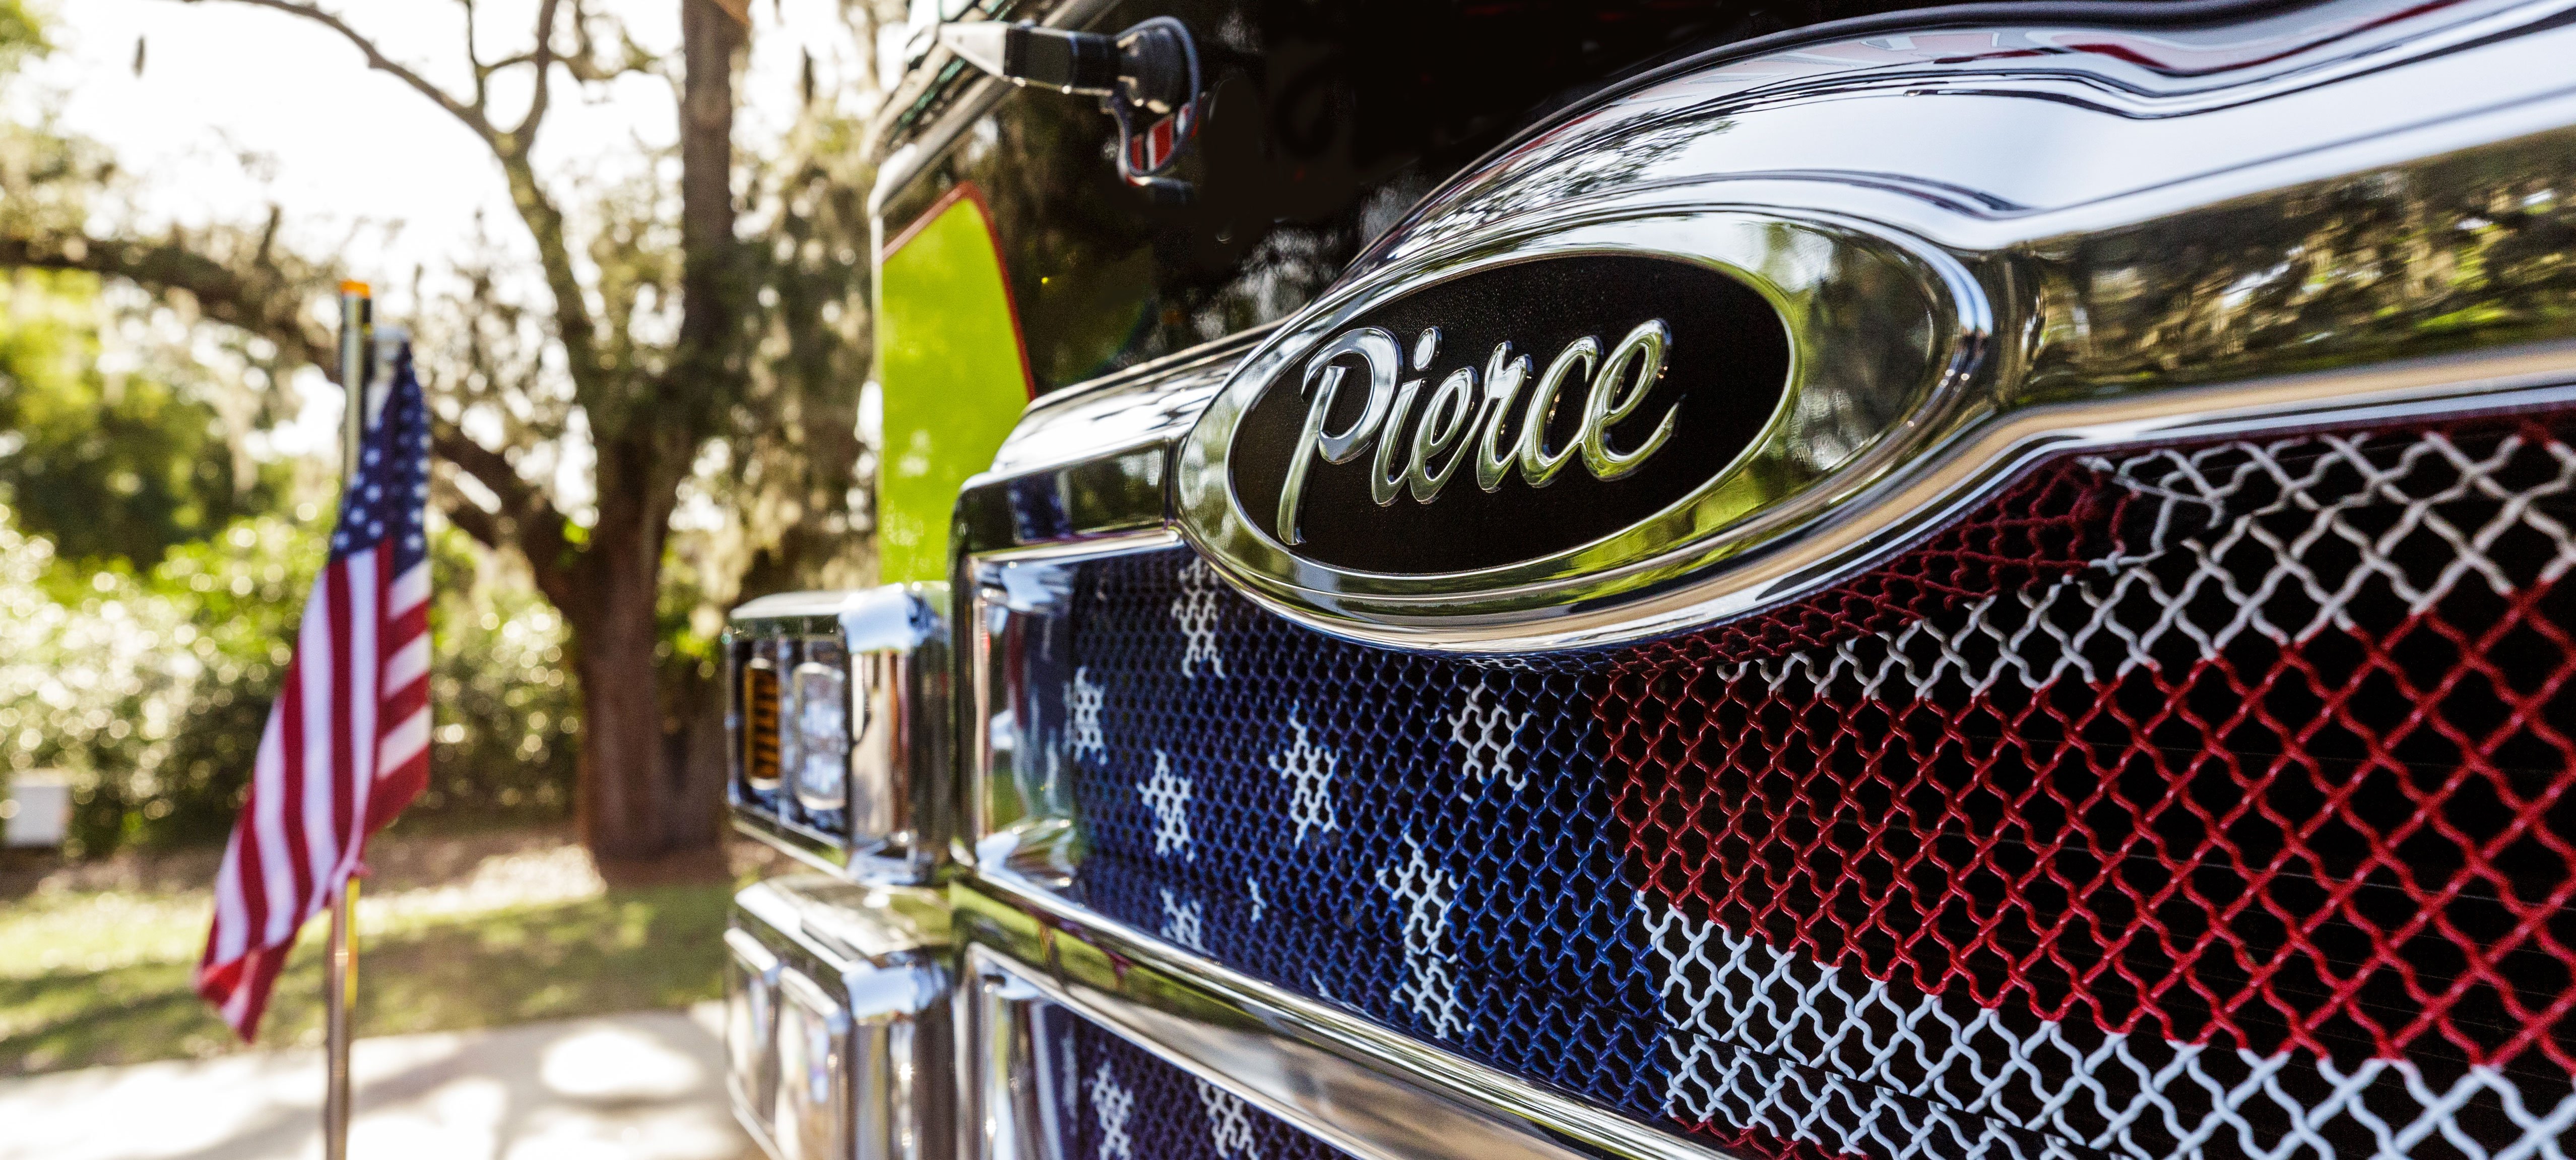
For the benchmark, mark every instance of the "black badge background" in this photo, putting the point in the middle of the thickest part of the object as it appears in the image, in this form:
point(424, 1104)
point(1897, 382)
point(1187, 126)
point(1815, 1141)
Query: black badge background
point(1727, 366)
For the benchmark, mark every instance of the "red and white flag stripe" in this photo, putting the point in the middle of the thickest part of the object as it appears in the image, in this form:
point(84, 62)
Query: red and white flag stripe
point(347, 746)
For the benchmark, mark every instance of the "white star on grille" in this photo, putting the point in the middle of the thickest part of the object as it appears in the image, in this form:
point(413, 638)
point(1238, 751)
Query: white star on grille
point(1086, 697)
point(1196, 609)
point(1072, 1087)
point(1184, 922)
point(1309, 770)
point(1773, 1041)
point(1113, 1105)
point(2187, 595)
point(1488, 737)
point(1168, 795)
point(1228, 1122)
point(1430, 967)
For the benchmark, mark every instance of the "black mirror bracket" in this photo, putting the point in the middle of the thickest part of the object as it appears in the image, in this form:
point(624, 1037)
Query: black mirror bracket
point(1147, 78)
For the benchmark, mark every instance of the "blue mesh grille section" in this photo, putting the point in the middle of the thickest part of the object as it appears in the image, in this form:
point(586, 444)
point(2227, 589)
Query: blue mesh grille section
point(1115, 1101)
point(1418, 840)
point(2211, 801)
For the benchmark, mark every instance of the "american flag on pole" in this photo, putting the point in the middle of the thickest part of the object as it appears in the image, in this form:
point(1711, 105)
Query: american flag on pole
point(347, 744)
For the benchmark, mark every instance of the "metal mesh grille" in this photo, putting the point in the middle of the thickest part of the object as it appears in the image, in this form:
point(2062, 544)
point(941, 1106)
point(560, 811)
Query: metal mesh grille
point(2191, 801)
point(1115, 1101)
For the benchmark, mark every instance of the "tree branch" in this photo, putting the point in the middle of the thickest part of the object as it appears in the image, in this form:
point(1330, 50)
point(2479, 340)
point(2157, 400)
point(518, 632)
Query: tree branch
point(474, 521)
point(472, 115)
point(474, 62)
point(585, 64)
point(265, 300)
point(527, 520)
point(488, 467)
point(543, 58)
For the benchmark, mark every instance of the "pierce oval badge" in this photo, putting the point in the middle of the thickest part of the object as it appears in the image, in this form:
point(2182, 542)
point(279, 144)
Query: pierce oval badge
point(1510, 415)
point(1555, 437)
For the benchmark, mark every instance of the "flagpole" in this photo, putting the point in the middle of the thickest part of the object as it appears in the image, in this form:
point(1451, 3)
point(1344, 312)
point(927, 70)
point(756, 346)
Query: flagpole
point(339, 988)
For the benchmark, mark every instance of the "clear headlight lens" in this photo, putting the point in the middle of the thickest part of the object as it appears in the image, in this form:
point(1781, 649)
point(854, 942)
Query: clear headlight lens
point(820, 736)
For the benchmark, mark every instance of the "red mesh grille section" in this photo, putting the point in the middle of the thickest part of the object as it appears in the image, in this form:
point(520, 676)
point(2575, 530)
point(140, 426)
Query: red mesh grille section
point(2166, 767)
point(2043, 528)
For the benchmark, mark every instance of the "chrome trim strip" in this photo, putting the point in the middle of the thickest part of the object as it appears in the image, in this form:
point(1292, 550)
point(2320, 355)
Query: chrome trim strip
point(882, 956)
point(1365, 1089)
point(1148, 404)
point(1098, 546)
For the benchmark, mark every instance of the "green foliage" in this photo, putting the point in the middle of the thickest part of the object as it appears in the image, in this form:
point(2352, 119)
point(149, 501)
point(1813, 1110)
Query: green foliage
point(108, 465)
point(92, 682)
point(234, 603)
point(21, 35)
point(503, 690)
point(152, 690)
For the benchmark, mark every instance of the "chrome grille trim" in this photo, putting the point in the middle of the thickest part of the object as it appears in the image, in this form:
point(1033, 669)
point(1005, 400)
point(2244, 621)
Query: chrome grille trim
point(1335, 1075)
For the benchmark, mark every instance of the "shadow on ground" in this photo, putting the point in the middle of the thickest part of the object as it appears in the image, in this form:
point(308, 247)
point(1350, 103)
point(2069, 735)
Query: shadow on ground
point(642, 1086)
point(628, 950)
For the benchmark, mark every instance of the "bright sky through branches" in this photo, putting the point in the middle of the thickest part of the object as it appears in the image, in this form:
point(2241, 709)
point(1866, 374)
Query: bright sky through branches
point(363, 166)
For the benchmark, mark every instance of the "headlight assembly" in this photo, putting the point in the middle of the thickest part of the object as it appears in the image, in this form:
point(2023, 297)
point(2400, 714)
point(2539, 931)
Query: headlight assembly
point(839, 709)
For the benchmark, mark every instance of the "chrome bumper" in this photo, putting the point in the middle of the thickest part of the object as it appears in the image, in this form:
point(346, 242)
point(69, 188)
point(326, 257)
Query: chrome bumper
point(837, 1021)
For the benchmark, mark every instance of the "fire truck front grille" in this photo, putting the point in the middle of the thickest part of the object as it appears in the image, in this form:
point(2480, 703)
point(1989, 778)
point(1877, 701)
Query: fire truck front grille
point(1115, 1099)
point(2203, 800)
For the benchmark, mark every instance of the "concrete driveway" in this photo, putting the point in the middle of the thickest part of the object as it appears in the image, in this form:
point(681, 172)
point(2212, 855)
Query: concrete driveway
point(647, 1086)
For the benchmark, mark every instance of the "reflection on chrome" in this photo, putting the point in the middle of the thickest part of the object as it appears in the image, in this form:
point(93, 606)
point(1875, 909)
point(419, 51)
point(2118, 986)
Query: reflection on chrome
point(2362, 194)
point(2055, 239)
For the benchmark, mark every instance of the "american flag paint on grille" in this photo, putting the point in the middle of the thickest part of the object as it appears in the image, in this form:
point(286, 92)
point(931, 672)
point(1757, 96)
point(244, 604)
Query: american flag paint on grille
point(347, 743)
point(1114, 1100)
point(2189, 801)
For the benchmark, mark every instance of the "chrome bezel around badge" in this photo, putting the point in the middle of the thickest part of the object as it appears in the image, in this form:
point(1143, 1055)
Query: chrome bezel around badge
point(1885, 331)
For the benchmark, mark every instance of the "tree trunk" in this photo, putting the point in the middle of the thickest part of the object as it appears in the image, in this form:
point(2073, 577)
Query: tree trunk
point(697, 752)
point(652, 780)
point(711, 308)
point(627, 781)
point(621, 770)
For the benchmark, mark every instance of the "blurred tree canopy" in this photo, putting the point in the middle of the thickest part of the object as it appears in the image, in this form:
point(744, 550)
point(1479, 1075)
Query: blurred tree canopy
point(19, 34)
point(693, 338)
point(121, 466)
point(150, 688)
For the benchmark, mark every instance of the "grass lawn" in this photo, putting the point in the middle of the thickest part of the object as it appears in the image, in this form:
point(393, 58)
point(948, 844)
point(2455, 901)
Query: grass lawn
point(102, 976)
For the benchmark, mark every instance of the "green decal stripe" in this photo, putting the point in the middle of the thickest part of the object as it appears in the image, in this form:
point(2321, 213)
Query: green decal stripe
point(955, 374)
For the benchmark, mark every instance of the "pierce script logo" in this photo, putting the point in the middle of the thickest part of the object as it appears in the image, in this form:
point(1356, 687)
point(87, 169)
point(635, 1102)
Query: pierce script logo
point(1428, 436)
point(1457, 409)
